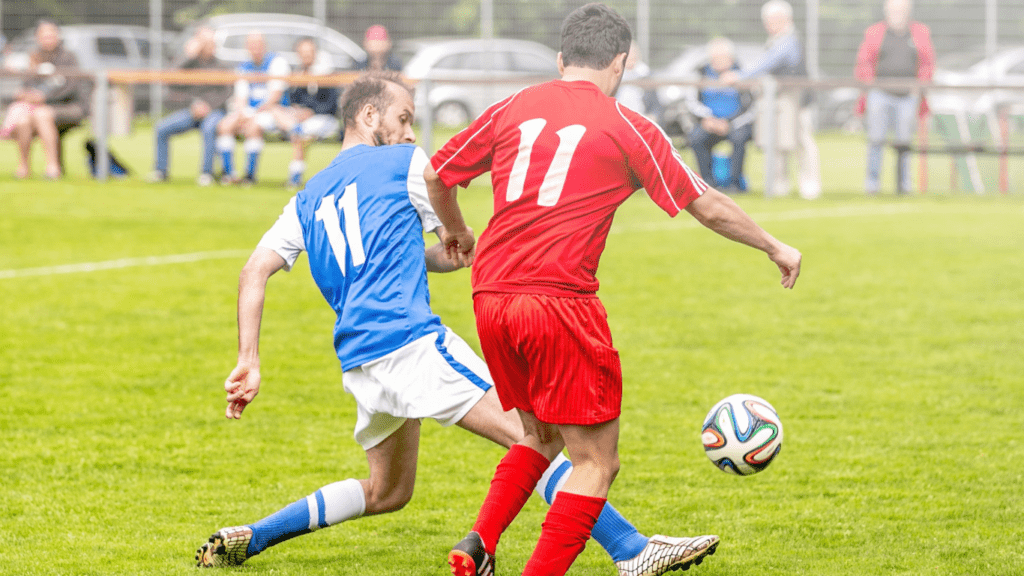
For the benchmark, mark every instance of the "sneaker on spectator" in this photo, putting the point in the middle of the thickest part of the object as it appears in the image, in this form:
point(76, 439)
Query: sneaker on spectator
point(156, 176)
point(204, 179)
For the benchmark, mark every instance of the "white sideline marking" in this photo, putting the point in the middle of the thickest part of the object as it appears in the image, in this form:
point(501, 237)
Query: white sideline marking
point(806, 214)
point(123, 263)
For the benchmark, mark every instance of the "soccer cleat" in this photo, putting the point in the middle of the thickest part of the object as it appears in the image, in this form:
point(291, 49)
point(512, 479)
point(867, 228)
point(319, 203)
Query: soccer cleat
point(227, 547)
point(468, 558)
point(664, 553)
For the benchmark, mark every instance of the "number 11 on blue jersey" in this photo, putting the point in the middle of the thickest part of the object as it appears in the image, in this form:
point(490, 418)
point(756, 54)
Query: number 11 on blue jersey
point(351, 236)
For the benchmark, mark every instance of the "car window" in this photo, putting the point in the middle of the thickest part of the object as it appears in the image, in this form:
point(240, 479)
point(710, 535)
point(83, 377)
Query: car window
point(450, 62)
point(533, 63)
point(341, 58)
point(235, 41)
point(143, 45)
point(110, 46)
point(1017, 69)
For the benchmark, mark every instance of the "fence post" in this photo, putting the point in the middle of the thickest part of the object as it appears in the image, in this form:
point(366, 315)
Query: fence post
point(769, 88)
point(426, 117)
point(101, 123)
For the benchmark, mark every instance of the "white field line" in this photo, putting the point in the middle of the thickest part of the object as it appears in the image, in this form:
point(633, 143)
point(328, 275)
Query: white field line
point(682, 221)
point(668, 224)
point(123, 263)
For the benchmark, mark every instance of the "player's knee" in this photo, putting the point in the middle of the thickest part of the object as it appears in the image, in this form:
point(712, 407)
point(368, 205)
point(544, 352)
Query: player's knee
point(384, 499)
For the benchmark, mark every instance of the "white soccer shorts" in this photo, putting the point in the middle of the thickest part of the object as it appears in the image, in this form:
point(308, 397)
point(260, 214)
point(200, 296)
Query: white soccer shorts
point(320, 126)
point(266, 122)
point(427, 378)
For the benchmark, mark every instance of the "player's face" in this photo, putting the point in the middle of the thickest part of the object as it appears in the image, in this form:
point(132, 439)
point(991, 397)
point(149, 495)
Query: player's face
point(395, 125)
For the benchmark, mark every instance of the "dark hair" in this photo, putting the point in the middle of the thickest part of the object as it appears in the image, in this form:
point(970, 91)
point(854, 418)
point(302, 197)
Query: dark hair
point(593, 35)
point(370, 88)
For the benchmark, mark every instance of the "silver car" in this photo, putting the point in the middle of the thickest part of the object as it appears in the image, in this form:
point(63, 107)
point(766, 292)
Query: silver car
point(281, 32)
point(467, 76)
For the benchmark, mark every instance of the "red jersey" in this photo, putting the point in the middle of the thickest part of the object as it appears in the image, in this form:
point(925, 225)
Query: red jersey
point(563, 157)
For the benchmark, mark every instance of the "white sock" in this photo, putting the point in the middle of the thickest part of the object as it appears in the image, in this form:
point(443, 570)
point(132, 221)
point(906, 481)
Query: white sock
point(253, 145)
point(296, 167)
point(342, 501)
point(225, 143)
point(554, 478)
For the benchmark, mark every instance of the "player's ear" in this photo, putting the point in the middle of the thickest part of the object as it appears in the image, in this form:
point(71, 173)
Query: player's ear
point(619, 63)
point(368, 115)
point(561, 67)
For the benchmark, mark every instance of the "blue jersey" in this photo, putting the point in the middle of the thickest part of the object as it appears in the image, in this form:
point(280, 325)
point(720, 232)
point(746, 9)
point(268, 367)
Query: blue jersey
point(361, 221)
point(272, 65)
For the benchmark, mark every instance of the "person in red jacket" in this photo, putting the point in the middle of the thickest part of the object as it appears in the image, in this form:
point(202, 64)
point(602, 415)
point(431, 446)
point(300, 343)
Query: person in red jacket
point(894, 48)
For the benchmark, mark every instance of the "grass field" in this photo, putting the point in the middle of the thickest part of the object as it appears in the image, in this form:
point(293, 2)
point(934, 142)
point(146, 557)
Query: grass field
point(895, 364)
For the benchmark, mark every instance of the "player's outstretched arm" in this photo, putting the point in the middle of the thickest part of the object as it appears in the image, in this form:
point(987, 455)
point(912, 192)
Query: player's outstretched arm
point(243, 383)
point(719, 213)
point(456, 237)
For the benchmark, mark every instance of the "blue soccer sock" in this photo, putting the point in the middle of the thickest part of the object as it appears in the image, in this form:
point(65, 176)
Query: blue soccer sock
point(614, 533)
point(226, 147)
point(332, 504)
point(253, 147)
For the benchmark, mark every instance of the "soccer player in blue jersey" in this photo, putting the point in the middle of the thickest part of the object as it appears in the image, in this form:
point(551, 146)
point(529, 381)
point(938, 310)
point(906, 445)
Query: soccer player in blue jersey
point(254, 107)
point(361, 220)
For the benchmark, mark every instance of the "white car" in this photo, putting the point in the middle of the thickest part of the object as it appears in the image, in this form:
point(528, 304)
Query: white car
point(281, 32)
point(971, 67)
point(467, 76)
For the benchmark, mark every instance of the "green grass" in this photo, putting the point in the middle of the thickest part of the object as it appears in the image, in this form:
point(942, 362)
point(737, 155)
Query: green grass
point(895, 364)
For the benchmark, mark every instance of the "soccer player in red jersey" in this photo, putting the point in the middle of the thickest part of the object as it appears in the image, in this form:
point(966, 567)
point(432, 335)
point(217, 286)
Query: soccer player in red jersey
point(563, 156)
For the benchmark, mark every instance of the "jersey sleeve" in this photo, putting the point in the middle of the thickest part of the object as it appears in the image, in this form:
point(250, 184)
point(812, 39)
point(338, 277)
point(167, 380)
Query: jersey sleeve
point(285, 236)
point(278, 67)
point(418, 191)
point(658, 167)
point(468, 154)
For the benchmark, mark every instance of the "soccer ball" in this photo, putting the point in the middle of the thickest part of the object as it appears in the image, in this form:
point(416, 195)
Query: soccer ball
point(742, 434)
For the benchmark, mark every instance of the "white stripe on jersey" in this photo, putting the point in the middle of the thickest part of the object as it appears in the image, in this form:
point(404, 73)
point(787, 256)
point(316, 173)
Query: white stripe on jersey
point(314, 512)
point(470, 139)
point(698, 184)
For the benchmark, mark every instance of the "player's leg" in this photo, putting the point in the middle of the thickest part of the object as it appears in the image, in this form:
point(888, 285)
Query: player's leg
point(226, 130)
point(44, 123)
point(389, 488)
point(23, 134)
point(253, 131)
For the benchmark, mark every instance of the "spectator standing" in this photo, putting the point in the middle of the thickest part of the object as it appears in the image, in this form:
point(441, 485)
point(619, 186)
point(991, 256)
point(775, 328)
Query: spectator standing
point(256, 107)
point(722, 113)
point(201, 107)
point(794, 119)
point(314, 109)
point(893, 48)
point(48, 104)
point(379, 56)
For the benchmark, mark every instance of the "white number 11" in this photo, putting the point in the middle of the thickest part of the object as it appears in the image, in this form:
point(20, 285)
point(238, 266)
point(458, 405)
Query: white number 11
point(551, 188)
point(327, 213)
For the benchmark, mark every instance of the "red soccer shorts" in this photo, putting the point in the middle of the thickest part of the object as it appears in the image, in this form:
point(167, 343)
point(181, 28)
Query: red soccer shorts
point(551, 356)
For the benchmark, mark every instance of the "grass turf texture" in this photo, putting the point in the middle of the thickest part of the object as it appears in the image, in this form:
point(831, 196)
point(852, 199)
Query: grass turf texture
point(895, 365)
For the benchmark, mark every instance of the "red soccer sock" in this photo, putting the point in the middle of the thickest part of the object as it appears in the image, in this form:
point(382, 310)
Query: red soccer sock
point(513, 482)
point(565, 533)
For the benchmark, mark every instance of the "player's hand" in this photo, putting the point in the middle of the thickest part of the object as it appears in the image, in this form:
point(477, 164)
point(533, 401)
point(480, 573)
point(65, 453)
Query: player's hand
point(459, 246)
point(242, 386)
point(788, 260)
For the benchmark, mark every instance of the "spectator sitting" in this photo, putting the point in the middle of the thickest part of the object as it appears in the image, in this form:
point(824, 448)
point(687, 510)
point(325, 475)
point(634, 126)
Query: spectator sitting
point(794, 119)
point(378, 51)
point(314, 109)
point(894, 48)
point(48, 104)
point(255, 107)
point(721, 114)
point(202, 107)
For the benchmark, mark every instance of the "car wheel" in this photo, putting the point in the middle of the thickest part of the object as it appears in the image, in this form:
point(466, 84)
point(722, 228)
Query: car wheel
point(451, 114)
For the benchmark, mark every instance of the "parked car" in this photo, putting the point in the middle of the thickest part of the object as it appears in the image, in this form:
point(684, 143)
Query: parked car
point(281, 31)
point(97, 47)
point(487, 70)
point(972, 67)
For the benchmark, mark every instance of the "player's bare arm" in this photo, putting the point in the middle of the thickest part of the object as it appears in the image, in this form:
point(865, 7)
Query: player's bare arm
point(719, 213)
point(243, 383)
point(456, 237)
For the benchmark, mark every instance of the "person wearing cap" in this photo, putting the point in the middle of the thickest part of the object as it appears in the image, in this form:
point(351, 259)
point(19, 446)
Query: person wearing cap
point(379, 56)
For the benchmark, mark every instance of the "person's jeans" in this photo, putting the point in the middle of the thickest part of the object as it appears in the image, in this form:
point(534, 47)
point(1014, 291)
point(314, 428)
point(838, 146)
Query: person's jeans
point(884, 112)
point(182, 121)
point(703, 141)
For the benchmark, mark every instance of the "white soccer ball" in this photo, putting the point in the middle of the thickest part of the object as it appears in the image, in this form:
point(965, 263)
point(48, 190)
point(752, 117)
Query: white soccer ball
point(742, 434)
